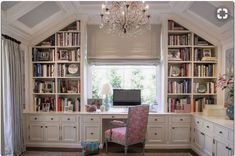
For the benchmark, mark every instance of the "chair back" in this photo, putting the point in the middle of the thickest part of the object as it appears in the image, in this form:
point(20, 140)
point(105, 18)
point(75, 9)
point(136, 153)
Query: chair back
point(137, 124)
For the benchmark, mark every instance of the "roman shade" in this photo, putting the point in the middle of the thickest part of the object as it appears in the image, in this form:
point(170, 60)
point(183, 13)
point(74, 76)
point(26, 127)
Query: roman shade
point(105, 48)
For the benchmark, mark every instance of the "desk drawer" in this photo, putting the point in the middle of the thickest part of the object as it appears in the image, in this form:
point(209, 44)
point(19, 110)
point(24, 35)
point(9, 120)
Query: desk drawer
point(221, 131)
point(124, 116)
point(35, 118)
point(198, 123)
point(91, 119)
point(91, 132)
point(181, 119)
point(156, 119)
point(70, 118)
point(208, 126)
point(52, 118)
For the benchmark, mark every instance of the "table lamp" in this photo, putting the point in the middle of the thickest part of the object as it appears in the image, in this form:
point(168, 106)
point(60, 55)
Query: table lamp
point(107, 90)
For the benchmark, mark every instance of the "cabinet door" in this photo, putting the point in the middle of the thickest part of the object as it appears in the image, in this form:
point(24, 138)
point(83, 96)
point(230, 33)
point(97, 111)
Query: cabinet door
point(156, 134)
point(208, 145)
point(199, 139)
point(36, 131)
point(180, 134)
point(69, 132)
point(91, 132)
point(52, 132)
point(221, 148)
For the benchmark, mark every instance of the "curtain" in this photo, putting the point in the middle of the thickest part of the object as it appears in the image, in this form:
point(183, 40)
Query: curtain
point(12, 93)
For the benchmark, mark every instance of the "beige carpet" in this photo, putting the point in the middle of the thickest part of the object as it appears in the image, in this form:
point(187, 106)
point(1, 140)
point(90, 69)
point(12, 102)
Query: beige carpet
point(40, 153)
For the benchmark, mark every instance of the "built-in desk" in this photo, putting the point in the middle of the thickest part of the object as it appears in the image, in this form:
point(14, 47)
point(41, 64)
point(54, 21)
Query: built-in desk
point(205, 135)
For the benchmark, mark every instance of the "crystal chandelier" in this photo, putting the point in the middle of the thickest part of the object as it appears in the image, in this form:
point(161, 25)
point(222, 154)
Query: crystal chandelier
point(125, 18)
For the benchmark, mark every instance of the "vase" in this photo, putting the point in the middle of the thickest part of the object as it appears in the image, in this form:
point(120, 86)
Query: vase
point(230, 112)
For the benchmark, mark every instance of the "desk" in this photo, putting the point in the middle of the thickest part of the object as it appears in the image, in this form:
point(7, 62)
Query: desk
point(106, 119)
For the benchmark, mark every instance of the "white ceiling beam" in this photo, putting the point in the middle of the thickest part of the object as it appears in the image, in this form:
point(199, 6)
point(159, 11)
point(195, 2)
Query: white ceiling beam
point(180, 6)
point(20, 9)
point(66, 6)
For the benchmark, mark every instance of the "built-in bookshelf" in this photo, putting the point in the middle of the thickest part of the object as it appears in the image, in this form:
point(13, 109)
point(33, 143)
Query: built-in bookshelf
point(57, 71)
point(191, 66)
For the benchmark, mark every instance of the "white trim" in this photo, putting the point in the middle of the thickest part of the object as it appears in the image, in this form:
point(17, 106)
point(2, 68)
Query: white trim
point(21, 9)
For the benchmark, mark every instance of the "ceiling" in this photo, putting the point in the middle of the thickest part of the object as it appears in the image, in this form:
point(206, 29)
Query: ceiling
point(34, 20)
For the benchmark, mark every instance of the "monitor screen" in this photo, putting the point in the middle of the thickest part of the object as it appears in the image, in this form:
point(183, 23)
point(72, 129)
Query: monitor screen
point(126, 97)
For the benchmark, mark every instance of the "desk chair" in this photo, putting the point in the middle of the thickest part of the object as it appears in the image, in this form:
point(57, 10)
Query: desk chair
point(131, 132)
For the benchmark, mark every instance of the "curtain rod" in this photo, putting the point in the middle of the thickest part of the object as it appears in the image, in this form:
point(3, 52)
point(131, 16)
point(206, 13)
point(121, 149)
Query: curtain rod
point(11, 38)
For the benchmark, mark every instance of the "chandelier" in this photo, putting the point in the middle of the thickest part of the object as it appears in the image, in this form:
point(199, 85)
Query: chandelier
point(125, 18)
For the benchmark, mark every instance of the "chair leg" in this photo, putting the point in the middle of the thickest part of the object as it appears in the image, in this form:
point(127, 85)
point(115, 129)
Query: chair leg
point(126, 147)
point(106, 145)
point(143, 147)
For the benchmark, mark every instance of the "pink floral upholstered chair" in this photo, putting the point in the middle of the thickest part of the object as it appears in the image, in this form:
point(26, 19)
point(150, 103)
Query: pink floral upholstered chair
point(133, 131)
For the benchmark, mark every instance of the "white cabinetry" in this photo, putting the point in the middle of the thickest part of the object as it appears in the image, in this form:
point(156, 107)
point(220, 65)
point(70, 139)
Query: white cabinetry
point(211, 139)
point(179, 130)
point(91, 128)
point(156, 130)
point(53, 129)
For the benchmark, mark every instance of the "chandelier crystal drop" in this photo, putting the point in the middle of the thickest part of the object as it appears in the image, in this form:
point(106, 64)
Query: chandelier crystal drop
point(125, 18)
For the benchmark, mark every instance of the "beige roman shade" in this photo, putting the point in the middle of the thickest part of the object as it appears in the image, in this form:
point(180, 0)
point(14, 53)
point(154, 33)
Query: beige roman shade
point(105, 48)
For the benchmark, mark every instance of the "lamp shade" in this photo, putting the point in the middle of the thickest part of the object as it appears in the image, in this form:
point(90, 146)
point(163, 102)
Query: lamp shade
point(106, 89)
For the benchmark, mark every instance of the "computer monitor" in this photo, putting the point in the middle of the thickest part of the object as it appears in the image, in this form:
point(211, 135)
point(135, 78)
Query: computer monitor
point(126, 97)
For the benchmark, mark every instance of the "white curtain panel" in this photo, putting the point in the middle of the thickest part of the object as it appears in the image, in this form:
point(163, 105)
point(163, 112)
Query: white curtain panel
point(12, 93)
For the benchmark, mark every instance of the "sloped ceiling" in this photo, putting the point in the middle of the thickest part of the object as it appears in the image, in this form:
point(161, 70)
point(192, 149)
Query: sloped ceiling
point(35, 20)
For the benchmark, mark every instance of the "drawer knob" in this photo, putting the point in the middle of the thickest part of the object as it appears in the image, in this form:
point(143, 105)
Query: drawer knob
point(173, 127)
point(155, 133)
point(181, 119)
point(198, 122)
point(41, 126)
point(155, 119)
point(220, 132)
point(46, 126)
point(202, 133)
point(92, 133)
point(92, 119)
point(207, 126)
point(74, 127)
point(68, 119)
point(51, 118)
point(35, 118)
point(112, 116)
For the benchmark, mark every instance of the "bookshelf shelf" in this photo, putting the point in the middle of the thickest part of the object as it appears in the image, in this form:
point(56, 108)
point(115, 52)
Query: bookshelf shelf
point(191, 67)
point(56, 70)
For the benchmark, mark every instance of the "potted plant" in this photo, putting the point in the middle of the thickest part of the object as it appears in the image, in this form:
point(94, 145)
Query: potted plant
point(226, 82)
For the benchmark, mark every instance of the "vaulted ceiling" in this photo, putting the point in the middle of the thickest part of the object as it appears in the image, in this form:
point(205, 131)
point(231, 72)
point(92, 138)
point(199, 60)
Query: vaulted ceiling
point(35, 20)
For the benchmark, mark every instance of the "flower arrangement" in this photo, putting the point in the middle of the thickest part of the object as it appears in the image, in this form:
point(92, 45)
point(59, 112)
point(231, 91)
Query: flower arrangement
point(226, 82)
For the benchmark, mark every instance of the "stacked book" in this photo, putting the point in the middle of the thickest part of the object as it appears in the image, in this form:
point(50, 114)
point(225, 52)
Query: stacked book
point(68, 39)
point(178, 104)
point(205, 70)
point(174, 26)
point(44, 104)
point(43, 70)
point(179, 39)
point(208, 87)
point(179, 87)
point(68, 55)
point(68, 104)
point(43, 54)
point(44, 87)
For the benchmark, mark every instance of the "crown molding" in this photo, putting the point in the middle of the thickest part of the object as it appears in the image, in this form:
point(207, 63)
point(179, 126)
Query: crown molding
point(15, 32)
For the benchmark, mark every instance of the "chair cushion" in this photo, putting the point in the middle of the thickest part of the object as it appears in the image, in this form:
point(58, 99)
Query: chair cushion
point(118, 135)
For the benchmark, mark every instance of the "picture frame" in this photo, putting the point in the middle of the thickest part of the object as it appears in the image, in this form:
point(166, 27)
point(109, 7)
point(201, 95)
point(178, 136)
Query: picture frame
point(64, 54)
point(44, 56)
point(206, 52)
point(96, 102)
point(174, 54)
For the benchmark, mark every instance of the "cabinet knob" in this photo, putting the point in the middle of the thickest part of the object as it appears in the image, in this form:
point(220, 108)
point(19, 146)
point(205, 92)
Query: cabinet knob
point(74, 127)
point(92, 119)
point(198, 122)
point(202, 133)
point(41, 126)
point(181, 119)
point(51, 118)
point(220, 132)
point(46, 126)
point(35, 118)
point(68, 119)
point(155, 119)
point(92, 133)
point(208, 126)
point(173, 127)
point(112, 116)
point(155, 133)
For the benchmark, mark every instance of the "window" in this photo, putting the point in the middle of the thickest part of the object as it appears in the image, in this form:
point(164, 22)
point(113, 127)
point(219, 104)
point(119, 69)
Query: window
point(126, 77)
